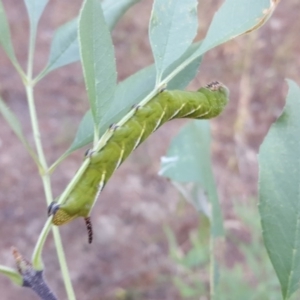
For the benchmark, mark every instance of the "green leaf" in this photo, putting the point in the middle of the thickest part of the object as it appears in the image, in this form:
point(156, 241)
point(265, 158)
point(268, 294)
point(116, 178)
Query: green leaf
point(14, 124)
point(65, 47)
point(98, 61)
point(14, 276)
point(188, 160)
point(172, 28)
point(84, 134)
point(188, 73)
point(186, 157)
point(5, 38)
point(131, 91)
point(279, 192)
point(128, 92)
point(235, 18)
point(35, 9)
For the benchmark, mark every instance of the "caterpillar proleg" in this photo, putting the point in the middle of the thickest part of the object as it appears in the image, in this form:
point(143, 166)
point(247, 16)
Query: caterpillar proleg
point(206, 103)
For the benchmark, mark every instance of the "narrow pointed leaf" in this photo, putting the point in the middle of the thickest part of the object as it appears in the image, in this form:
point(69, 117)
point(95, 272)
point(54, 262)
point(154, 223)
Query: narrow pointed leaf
point(65, 48)
point(131, 91)
point(84, 134)
point(188, 73)
point(5, 38)
point(35, 9)
point(235, 18)
point(173, 26)
point(15, 125)
point(128, 93)
point(14, 276)
point(279, 192)
point(98, 61)
point(188, 160)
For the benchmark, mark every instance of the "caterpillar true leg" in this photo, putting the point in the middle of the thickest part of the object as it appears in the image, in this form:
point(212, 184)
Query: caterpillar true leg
point(135, 106)
point(88, 153)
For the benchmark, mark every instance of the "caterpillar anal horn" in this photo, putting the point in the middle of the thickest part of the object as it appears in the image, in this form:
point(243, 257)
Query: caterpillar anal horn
point(89, 228)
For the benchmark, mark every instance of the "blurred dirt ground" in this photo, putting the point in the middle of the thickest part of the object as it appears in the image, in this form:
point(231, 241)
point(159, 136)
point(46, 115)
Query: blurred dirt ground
point(130, 251)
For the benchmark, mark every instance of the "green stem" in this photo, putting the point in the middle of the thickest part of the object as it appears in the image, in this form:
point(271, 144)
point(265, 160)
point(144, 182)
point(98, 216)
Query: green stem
point(44, 174)
point(57, 162)
point(96, 134)
point(49, 198)
point(212, 267)
point(40, 76)
point(19, 69)
point(37, 252)
point(63, 264)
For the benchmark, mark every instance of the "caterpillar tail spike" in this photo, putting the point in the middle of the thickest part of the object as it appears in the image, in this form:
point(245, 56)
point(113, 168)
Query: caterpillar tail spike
point(206, 103)
point(89, 228)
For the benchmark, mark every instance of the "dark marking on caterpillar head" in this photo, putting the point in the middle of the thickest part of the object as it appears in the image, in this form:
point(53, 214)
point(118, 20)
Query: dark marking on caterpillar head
point(214, 85)
point(53, 208)
point(113, 127)
point(89, 228)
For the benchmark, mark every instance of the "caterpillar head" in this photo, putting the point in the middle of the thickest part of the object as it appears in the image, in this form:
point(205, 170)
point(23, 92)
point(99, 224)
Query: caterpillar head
point(60, 217)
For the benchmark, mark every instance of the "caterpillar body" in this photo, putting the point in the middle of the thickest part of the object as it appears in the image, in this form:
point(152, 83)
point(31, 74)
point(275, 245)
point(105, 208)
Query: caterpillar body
point(206, 103)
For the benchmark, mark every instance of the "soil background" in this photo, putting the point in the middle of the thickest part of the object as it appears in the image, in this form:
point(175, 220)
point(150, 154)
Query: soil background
point(130, 251)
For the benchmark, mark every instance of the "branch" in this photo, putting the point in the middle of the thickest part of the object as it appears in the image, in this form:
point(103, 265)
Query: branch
point(32, 278)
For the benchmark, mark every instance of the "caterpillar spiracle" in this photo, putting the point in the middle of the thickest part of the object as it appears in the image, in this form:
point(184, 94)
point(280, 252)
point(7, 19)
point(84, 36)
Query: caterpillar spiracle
point(206, 103)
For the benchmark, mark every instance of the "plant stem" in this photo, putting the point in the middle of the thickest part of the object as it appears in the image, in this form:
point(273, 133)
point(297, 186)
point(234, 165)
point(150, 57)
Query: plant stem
point(44, 172)
point(32, 278)
point(48, 194)
point(96, 134)
point(57, 162)
point(63, 264)
point(37, 252)
point(212, 267)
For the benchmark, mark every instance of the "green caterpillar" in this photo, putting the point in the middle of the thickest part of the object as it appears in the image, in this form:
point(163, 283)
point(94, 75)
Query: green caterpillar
point(206, 103)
